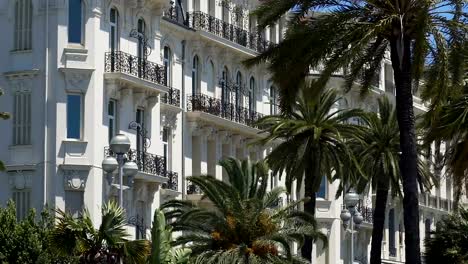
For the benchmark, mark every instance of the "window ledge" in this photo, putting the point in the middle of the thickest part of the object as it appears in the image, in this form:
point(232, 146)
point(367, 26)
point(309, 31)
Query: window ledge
point(72, 140)
point(21, 51)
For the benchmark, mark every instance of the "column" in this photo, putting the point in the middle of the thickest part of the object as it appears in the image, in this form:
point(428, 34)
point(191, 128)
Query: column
point(212, 146)
point(126, 112)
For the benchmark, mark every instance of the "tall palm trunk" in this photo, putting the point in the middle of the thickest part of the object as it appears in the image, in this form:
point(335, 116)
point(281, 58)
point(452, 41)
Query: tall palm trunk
point(379, 221)
point(401, 63)
point(309, 207)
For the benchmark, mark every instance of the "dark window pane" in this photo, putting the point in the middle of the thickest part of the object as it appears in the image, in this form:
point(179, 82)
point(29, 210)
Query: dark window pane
point(110, 108)
point(323, 188)
point(74, 116)
point(74, 21)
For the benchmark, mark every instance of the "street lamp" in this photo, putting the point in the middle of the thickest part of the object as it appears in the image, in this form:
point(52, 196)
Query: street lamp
point(120, 144)
point(351, 216)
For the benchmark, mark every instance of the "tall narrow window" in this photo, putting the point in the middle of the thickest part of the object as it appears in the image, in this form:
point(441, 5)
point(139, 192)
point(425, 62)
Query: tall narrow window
point(22, 118)
point(252, 100)
point(140, 119)
point(112, 115)
point(322, 193)
point(76, 21)
point(23, 25)
point(22, 200)
point(225, 95)
point(166, 146)
point(114, 30)
point(74, 116)
point(168, 65)
point(211, 77)
point(196, 75)
point(273, 101)
point(141, 33)
point(211, 8)
point(239, 90)
point(391, 233)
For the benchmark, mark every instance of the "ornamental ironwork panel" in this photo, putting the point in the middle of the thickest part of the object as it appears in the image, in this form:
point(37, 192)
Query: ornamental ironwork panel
point(140, 227)
point(146, 162)
point(176, 14)
point(193, 189)
point(173, 182)
point(172, 97)
point(220, 108)
point(205, 22)
point(118, 61)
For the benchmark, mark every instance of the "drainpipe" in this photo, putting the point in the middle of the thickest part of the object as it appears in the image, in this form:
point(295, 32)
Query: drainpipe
point(46, 89)
point(183, 119)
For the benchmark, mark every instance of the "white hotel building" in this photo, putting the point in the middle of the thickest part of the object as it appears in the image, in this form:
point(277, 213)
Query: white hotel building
point(170, 77)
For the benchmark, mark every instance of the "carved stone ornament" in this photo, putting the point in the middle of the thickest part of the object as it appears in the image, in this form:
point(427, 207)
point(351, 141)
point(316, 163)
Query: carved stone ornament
point(75, 180)
point(21, 81)
point(77, 80)
point(20, 179)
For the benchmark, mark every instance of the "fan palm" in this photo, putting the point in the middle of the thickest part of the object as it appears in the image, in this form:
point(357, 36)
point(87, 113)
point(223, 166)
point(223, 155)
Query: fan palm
point(107, 244)
point(242, 225)
point(357, 35)
point(162, 251)
point(377, 147)
point(311, 143)
point(449, 243)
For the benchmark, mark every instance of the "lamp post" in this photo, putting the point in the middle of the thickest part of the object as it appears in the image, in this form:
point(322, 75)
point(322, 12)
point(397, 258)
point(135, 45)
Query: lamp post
point(120, 144)
point(351, 216)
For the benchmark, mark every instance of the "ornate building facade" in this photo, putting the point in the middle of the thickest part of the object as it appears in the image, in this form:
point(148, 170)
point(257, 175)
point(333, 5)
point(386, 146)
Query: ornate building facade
point(169, 75)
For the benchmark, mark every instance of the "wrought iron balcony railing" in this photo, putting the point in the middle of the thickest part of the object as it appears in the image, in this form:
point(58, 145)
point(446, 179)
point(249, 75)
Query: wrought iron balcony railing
point(146, 162)
point(173, 182)
point(118, 61)
point(205, 22)
point(172, 97)
point(226, 110)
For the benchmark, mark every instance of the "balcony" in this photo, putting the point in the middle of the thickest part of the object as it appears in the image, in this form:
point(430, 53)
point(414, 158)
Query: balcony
point(366, 212)
point(137, 71)
point(225, 110)
point(172, 97)
point(204, 22)
point(435, 202)
point(149, 164)
point(173, 182)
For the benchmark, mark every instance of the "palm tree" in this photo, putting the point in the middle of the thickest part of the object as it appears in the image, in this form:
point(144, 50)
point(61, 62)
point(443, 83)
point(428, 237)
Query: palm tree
point(377, 147)
point(356, 35)
point(162, 251)
point(447, 121)
point(449, 243)
point(242, 225)
point(452, 127)
point(311, 144)
point(107, 244)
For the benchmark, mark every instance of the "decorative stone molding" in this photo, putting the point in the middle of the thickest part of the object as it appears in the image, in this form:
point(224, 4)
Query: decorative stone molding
point(20, 179)
point(21, 81)
point(75, 179)
point(139, 99)
point(77, 80)
point(224, 136)
point(195, 128)
point(212, 134)
point(208, 131)
point(236, 140)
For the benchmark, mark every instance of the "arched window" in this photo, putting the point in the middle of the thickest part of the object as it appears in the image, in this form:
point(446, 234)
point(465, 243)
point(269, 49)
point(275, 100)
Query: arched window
point(211, 77)
point(196, 75)
point(239, 89)
point(114, 32)
point(168, 65)
point(273, 101)
point(252, 100)
point(76, 11)
point(225, 94)
point(23, 25)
